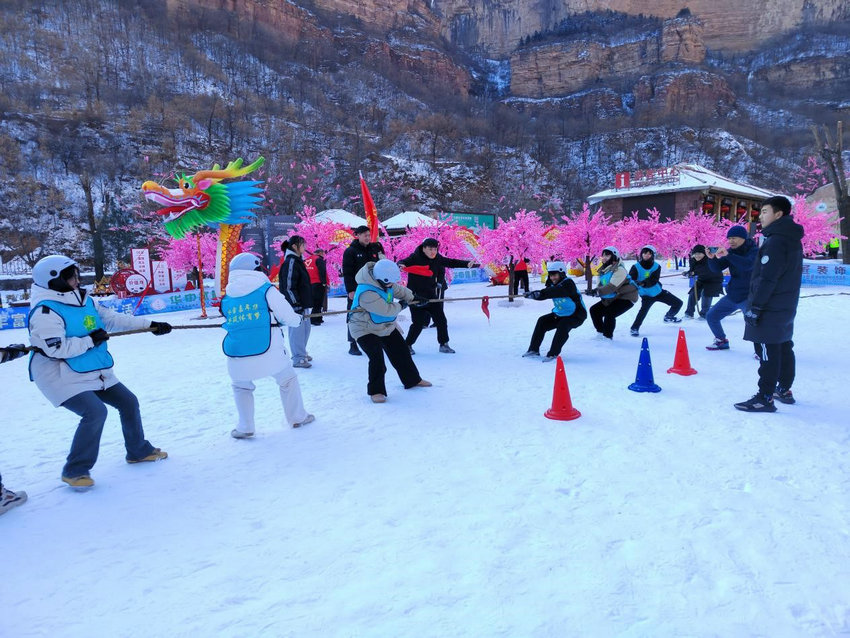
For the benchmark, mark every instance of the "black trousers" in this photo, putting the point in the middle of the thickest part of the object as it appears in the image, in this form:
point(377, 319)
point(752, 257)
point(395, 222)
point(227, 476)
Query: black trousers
point(561, 326)
point(777, 366)
point(348, 303)
point(605, 317)
point(520, 276)
point(419, 317)
point(665, 297)
point(399, 356)
point(319, 291)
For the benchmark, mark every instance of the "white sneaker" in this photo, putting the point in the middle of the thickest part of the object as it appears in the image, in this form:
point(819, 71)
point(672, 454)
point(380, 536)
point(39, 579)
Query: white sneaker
point(307, 419)
point(302, 363)
point(237, 434)
point(10, 500)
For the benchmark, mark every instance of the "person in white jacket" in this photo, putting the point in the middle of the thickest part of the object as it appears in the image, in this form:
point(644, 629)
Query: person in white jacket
point(72, 365)
point(254, 345)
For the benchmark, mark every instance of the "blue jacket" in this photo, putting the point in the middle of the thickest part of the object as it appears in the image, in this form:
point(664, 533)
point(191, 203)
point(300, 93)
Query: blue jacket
point(740, 263)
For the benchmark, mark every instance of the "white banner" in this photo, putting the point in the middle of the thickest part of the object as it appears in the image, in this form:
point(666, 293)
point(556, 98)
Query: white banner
point(161, 276)
point(141, 262)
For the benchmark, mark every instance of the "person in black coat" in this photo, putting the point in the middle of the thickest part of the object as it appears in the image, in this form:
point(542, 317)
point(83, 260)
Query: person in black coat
point(426, 270)
point(709, 284)
point(357, 255)
point(294, 284)
point(568, 312)
point(772, 305)
point(318, 272)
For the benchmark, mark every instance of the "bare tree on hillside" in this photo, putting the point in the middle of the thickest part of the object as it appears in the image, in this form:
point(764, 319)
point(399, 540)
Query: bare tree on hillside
point(831, 152)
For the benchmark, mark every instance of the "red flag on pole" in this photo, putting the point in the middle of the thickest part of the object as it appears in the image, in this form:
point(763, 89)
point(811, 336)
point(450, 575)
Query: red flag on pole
point(371, 211)
point(485, 306)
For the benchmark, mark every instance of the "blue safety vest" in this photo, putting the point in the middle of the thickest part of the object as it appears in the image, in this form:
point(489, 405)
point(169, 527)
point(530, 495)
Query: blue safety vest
point(605, 279)
point(386, 294)
point(79, 322)
point(564, 306)
point(643, 273)
point(248, 323)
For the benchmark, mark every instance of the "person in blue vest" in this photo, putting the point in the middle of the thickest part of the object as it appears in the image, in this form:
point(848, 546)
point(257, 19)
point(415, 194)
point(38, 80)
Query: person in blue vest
point(568, 312)
point(377, 301)
point(9, 499)
point(616, 291)
point(254, 311)
point(72, 365)
point(739, 258)
point(646, 273)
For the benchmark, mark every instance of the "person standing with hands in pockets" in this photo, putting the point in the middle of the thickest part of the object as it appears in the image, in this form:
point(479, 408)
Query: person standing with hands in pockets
point(772, 305)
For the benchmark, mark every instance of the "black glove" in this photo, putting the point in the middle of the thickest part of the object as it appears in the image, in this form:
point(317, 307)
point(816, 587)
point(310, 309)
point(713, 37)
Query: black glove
point(532, 294)
point(419, 300)
point(687, 274)
point(298, 310)
point(160, 328)
point(752, 316)
point(402, 303)
point(98, 336)
point(13, 351)
point(593, 292)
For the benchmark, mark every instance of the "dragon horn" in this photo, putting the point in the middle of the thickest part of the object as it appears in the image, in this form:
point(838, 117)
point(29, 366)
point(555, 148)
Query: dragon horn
point(233, 169)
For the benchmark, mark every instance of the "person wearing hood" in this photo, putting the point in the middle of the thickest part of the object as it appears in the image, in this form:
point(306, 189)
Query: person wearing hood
point(739, 258)
point(72, 365)
point(646, 274)
point(377, 301)
point(426, 269)
point(295, 286)
point(708, 284)
point(616, 291)
point(357, 255)
point(772, 305)
point(568, 311)
point(253, 313)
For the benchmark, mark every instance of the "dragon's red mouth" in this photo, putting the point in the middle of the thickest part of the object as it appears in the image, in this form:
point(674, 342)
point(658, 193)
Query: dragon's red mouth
point(177, 204)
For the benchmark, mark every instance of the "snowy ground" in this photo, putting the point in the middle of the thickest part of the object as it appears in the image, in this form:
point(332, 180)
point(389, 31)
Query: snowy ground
point(457, 510)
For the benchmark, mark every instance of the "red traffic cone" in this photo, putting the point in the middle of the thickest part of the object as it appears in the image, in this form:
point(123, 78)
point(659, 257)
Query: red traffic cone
point(682, 362)
point(562, 406)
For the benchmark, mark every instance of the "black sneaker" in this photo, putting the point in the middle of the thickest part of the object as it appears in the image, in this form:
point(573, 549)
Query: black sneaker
point(445, 349)
point(784, 396)
point(758, 403)
point(354, 350)
point(669, 319)
point(634, 332)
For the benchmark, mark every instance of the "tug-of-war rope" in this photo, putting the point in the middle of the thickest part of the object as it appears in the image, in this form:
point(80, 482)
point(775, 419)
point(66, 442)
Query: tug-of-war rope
point(484, 299)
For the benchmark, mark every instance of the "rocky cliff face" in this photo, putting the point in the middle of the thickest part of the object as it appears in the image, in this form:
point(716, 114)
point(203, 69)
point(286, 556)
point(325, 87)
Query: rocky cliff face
point(561, 68)
point(495, 27)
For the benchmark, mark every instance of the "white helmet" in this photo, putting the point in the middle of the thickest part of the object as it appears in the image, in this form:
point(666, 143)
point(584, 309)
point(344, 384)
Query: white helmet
point(557, 266)
point(245, 261)
point(651, 248)
point(613, 250)
point(386, 272)
point(48, 268)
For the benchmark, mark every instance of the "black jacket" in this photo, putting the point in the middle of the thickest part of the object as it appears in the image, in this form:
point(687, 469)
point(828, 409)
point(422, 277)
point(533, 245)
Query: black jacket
point(708, 281)
point(564, 288)
point(740, 262)
point(775, 284)
point(353, 259)
point(322, 269)
point(426, 285)
point(294, 283)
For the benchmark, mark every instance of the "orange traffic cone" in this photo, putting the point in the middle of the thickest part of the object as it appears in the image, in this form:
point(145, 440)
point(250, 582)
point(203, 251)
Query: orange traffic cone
point(562, 406)
point(682, 362)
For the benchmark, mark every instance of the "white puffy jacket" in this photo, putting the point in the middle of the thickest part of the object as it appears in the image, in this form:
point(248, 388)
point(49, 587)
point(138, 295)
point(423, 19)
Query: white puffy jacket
point(275, 359)
point(51, 373)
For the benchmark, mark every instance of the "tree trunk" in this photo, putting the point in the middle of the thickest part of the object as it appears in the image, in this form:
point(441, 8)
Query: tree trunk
point(832, 154)
point(588, 273)
point(93, 226)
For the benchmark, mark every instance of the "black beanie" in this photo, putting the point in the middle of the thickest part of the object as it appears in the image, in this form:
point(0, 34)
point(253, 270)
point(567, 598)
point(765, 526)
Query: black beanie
point(699, 248)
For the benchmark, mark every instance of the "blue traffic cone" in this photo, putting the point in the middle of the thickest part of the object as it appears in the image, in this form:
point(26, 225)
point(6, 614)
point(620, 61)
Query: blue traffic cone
point(643, 379)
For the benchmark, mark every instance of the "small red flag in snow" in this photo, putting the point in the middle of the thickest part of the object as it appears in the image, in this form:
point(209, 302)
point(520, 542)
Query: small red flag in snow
point(485, 306)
